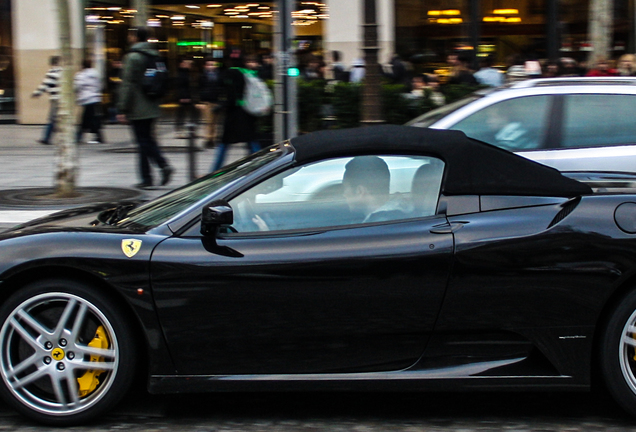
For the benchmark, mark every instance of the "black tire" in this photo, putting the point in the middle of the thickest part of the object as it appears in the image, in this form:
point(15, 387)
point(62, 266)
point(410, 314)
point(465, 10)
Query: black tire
point(617, 354)
point(46, 329)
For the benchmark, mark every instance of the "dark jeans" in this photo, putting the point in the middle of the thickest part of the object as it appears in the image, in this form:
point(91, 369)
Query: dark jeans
point(91, 121)
point(148, 148)
point(221, 148)
point(50, 127)
point(185, 110)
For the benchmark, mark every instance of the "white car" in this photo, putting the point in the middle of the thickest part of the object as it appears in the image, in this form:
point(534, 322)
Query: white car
point(571, 124)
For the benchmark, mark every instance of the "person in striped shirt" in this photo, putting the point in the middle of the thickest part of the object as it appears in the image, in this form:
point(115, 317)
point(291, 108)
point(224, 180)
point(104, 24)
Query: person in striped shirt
point(51, 85)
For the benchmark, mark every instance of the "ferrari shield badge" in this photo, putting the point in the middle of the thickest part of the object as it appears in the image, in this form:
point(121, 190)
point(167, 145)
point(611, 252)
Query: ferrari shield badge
point(130, 247)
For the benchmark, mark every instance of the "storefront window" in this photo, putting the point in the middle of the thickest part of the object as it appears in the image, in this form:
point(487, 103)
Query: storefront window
point(428, 30)
point(201, 30)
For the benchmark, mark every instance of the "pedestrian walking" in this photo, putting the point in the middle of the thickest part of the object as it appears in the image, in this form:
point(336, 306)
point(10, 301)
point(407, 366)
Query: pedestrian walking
point(433, 86)
point(462, 73)
point(601, 69)
point(266, 70)
point(51, 85)
point(140, 110)
point(627, 65)
point(488, 75)
point(114, 81)
point(239, 125)
point(209, 92)
point(312, 71)
point(88, 94)
point(399, 73)
point(356, 75)
point(183, 87)
point(339, 72)
point(517, 69)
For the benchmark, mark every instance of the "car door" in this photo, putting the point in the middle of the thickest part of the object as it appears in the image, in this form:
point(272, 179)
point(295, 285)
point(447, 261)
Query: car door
point(596, 133)
point(320, 292)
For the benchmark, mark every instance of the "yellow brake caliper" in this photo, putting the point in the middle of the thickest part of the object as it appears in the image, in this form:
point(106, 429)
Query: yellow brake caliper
point(89, 381)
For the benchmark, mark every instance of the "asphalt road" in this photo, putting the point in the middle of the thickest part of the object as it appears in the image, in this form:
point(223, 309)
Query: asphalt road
point(356, 412)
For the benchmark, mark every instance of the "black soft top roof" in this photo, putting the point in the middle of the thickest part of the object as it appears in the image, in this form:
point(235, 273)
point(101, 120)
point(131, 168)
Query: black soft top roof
point(472, 167)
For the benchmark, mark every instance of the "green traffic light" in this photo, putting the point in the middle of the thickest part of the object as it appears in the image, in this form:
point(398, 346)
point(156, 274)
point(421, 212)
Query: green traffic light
point(293, 72)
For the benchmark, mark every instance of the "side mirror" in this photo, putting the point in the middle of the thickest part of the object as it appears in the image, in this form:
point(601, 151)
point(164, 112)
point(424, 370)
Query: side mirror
point(216, 214)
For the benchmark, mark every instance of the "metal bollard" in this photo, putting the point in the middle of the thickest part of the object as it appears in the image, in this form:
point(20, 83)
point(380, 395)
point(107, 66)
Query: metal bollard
point(192, 149)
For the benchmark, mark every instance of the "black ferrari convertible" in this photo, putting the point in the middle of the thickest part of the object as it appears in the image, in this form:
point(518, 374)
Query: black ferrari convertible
point(384, 258)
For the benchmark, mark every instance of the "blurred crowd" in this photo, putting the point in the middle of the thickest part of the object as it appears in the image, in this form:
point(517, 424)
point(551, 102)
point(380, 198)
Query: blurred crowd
point(200, 88)
point(460, 69)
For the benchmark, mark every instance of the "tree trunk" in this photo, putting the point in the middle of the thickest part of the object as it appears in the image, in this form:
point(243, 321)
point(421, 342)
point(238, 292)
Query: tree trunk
point(600, 29)
point(66, 157)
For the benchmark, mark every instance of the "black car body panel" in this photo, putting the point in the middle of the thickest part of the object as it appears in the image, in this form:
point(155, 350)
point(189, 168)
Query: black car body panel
point(493, 290)
point(513, 312)
point(66, 244)
point(297, 303)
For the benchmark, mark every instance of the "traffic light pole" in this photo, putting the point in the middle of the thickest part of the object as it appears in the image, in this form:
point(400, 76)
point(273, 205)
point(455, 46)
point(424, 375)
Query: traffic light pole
point(285, 103)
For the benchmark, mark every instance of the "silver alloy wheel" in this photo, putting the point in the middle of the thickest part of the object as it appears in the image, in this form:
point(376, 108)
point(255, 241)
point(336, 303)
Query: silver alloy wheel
point(45, 348)
point(627, 352)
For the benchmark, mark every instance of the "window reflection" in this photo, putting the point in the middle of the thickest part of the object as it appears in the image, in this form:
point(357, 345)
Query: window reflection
point(599, 120)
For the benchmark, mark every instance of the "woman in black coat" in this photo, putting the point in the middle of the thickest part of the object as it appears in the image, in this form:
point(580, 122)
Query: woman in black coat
point(239, 126)
point(184, 96)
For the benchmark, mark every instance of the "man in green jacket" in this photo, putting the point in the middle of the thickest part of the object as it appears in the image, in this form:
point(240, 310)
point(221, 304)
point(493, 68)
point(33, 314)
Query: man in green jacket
point(138, 109)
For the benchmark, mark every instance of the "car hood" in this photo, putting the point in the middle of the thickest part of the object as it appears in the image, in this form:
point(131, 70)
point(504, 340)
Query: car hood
point(71, 220)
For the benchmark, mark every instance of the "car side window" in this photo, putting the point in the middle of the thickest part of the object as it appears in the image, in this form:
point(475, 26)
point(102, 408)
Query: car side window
point(513, 124)
point(599, 120)
point(341, 191)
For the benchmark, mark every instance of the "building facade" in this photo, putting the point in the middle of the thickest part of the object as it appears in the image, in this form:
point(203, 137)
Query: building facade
point(545, 29)
point(421, 31)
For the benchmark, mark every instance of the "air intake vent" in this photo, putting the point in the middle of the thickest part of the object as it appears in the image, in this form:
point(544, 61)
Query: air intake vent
point(568, 208)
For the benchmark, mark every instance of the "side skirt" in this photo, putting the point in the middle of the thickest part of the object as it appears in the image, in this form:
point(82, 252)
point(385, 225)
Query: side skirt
point(457, 378)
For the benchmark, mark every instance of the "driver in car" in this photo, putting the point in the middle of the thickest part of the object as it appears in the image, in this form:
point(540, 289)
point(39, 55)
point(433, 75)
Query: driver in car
point(508, 133)
point(366, 184)
point(246, 219)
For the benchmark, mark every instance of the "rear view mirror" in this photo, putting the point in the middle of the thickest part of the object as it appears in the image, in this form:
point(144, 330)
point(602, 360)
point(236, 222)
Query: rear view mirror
point(214, 215)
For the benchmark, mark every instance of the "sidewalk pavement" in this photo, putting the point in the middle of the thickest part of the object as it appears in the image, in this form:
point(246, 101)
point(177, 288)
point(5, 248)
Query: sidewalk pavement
point(25, 163)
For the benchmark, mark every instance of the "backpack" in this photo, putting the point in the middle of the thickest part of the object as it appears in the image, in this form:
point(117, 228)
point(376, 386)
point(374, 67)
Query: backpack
point(257, 98)
point(155, 81)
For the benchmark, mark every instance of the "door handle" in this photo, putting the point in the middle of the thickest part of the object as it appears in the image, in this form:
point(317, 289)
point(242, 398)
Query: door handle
point(447, 228)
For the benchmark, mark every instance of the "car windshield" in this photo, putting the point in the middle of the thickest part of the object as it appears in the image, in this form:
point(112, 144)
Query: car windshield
point(165, 207)
point(425, 120)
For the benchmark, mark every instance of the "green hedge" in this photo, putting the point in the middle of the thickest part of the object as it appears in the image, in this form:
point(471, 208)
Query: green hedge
point(346, 100)
point(343, 103)
point(311, 98)
point(457, 91)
